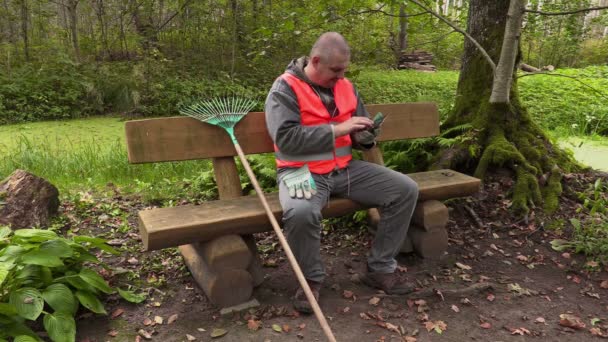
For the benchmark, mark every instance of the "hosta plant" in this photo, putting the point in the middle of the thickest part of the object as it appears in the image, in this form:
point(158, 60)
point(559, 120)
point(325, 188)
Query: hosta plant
point(45, 276)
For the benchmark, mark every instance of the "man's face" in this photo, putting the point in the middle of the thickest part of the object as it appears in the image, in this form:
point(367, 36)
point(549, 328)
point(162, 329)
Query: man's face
point(329, 71)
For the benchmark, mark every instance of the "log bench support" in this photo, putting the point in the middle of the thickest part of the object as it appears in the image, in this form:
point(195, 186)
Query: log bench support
point(215, 238)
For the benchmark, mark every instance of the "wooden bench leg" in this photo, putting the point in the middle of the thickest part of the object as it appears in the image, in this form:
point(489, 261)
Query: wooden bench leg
point(428, 244)
point(427, 234)
point(220, 268)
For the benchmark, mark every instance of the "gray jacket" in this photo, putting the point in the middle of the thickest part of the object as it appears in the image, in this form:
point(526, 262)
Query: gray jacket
point(283, 116)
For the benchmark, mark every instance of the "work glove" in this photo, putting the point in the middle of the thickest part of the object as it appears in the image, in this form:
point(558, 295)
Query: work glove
point(300, 183)
point(367, 138)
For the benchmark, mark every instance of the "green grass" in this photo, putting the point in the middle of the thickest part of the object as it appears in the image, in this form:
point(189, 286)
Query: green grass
point(67, 134)
point(90, 153)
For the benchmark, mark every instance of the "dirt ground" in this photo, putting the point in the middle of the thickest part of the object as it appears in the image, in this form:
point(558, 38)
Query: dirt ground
point(500, 280)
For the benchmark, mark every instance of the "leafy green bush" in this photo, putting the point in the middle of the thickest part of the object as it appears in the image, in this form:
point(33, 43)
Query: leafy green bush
point(595, 199)
point(33, 93)
point(44, 274)
point(589, 237)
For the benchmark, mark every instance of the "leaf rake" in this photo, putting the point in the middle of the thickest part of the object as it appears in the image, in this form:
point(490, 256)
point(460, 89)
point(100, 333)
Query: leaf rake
point(226, 112)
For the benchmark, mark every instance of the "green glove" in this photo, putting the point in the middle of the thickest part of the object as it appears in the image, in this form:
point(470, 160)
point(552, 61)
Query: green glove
point(300, 183)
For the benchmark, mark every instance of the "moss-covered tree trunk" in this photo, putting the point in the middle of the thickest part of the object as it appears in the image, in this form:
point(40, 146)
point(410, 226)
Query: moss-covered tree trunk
point(500, 133)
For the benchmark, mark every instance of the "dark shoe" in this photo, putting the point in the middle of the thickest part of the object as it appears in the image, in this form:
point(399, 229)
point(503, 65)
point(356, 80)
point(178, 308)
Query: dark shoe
point(300, 303)
point(390, 283)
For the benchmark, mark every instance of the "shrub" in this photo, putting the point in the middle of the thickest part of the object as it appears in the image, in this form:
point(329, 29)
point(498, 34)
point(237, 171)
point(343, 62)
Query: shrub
point(43, 274)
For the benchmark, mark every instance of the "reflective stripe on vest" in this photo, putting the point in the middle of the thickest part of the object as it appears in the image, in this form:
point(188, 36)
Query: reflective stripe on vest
point(340, 152)
point(313, 113)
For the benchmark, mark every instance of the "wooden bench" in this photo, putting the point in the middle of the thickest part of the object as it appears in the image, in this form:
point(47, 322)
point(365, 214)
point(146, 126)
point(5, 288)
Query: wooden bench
point(215, 237)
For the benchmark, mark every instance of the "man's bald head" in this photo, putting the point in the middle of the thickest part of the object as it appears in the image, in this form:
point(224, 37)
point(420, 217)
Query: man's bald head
point(328, 45)
point(329, 59)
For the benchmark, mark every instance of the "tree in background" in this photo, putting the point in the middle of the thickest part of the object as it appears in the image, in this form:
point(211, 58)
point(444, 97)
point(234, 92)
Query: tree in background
point(499, 132)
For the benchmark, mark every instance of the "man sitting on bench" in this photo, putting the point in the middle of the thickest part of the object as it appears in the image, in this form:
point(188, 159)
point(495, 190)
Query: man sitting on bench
point(314, 117)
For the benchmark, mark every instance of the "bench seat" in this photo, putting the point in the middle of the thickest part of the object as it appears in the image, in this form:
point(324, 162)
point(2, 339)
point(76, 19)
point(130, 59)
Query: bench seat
point(174, 226)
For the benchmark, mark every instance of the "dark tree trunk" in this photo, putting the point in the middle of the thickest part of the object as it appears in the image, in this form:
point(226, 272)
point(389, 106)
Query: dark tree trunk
point(25, 17)
point(403, 23)
point(73, 13)
point(500, 134)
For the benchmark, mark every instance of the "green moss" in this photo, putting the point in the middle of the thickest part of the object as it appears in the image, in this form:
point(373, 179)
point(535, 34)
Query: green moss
point(552, 191)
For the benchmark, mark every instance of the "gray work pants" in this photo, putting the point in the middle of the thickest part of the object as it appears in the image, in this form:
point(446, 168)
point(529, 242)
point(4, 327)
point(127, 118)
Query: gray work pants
point(393, 193)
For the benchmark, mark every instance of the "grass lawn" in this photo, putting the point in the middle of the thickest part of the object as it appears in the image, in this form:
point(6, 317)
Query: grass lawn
point(63, 134)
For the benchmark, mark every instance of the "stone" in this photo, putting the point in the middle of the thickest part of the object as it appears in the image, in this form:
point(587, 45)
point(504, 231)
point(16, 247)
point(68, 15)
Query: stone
point(27, 201)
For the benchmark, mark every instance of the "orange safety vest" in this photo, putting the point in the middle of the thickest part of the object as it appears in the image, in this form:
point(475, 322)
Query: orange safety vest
point(314, 113)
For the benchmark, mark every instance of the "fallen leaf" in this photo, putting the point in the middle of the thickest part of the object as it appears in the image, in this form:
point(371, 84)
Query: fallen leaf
point(117, 313)
point(144, 334)
point(604, 284)
point(596, 332)
point(158, 320)
point(463, 266)
point(277, 328)
point(410, 339)
point(438, 326)
point(491, 297)
point(539, 320)
point(486, 325)
point(147, 321)
point(253, 325)
point(519, 331)
point(172, 319)
point(286, 328)
point(190, 337)
point(217, 332)
point(595, 321)
point(374, 301)
point(571, 321)
point(133, 261)
point(112, 333)
point(346, 309)
point(302, 326)
point(348, 294)
point(455, 308)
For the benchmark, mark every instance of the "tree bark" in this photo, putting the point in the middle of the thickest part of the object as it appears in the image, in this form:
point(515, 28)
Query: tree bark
point(25, 17)
point(403, 23)
point(508, 53)
point(73, 14)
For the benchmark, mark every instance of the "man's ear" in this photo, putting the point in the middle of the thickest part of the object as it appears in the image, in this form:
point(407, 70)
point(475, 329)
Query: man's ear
point(315, 60)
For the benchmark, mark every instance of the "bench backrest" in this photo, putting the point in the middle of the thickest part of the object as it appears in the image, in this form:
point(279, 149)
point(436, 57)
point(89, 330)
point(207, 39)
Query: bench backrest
point(185, 138)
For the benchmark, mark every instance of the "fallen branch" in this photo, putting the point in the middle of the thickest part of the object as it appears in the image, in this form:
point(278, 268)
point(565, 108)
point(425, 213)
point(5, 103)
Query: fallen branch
point(475, 217)
point(430, 292)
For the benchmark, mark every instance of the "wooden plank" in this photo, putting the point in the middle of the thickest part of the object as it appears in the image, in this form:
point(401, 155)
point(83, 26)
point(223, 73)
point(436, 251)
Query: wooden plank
point(184, 138)
point(166, 227)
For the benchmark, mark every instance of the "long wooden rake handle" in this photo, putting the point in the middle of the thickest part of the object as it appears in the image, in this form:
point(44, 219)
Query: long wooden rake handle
point(285, 245)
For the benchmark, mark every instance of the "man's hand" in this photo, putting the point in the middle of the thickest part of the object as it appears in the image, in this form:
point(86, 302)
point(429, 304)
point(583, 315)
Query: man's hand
point(354, 124)
point(367, 138)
